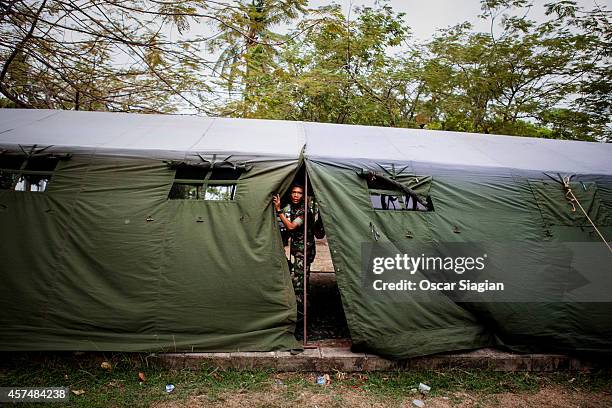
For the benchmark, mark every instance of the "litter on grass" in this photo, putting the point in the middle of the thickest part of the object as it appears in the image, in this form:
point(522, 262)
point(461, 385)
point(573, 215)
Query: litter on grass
point(424, 388)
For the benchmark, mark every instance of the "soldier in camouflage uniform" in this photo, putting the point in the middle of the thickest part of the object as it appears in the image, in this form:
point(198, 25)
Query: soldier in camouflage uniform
point(293, 216)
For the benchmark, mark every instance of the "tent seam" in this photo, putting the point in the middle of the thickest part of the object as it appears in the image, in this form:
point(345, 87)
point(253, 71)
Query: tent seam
point(64, 242)
point(201, 137)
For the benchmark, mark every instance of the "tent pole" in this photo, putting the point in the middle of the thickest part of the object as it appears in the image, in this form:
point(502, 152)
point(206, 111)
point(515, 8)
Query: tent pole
point(305, 280)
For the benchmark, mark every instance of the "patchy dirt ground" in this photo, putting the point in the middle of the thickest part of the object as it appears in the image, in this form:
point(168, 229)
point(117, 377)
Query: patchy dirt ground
point(550, 396)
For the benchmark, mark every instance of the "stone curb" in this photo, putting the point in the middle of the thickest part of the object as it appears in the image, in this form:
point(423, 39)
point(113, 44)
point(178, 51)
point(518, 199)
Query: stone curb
point(327, 359)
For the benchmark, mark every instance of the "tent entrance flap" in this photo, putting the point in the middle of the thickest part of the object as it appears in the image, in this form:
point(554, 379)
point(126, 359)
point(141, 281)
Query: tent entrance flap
point(383, 324)
point(320, 314)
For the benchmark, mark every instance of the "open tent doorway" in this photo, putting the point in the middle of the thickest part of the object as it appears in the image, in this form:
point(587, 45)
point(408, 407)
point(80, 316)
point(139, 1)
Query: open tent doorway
point(323, 320)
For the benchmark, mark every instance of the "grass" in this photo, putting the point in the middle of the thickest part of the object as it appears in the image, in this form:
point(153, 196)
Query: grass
point(120, 386)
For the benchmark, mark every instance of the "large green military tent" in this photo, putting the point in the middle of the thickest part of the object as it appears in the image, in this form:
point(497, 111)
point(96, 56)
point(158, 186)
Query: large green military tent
point(156, 232)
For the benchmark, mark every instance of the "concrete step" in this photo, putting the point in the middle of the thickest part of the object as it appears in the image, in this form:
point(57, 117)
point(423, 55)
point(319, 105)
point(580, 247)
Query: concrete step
point(341, 358)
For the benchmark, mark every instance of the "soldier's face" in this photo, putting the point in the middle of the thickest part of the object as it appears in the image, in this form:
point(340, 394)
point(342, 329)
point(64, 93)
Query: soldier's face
point(296, 195)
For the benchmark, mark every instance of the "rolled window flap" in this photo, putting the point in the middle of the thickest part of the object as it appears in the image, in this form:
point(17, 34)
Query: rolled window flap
point(370, 176)
point(208, 164)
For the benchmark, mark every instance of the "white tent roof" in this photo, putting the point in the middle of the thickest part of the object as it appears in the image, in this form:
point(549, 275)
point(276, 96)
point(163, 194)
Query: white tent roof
point(174, 136)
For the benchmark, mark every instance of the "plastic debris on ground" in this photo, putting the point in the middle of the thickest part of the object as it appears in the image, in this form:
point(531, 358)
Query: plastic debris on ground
point(324, 379)
point(169, 388)
point(418, 403)
point(424, 388)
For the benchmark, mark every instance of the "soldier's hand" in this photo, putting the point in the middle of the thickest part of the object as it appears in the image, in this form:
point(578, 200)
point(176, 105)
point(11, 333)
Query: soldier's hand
point(276, 202)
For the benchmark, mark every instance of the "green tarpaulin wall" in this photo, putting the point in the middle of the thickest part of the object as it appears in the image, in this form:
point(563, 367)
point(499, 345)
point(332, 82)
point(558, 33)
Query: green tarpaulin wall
point(83, 269)
point(103, 260)
point(470, 206)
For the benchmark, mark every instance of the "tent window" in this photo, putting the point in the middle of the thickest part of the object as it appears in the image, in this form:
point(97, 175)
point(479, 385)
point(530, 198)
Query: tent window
point(191, 172)
point(220, 192)
point(35, 183)
point(225, 174)
point(185, 191)
point(385, 195)
point(41, 164)
point(414, 205)
point(198, 183)
point(11, 162)
point(32, 174)
point(387, 200)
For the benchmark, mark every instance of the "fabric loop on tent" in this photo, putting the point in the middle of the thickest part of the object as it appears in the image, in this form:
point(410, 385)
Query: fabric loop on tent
point(375, 234)
point(572, 199)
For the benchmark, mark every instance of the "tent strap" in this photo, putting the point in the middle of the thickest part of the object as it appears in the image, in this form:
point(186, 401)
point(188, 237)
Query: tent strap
point(569, 194)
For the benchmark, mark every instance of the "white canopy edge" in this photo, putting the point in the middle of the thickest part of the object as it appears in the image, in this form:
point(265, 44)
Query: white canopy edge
point(174, 136)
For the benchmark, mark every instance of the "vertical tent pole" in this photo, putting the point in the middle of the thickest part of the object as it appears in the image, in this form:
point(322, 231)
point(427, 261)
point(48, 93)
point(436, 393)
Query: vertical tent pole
point(305, 280)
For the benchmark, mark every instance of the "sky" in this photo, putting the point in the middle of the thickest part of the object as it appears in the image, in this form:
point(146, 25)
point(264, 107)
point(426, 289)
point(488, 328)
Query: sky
point(427, 16)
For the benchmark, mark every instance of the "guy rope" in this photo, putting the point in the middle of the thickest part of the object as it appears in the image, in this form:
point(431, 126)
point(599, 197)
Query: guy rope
point(569, 194)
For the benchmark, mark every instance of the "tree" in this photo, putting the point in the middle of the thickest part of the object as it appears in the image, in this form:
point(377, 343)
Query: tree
point(103, 55)
point(590, 109)
point(337, 69)
point(520, 80)
point(248, 48)
point(278, 59)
